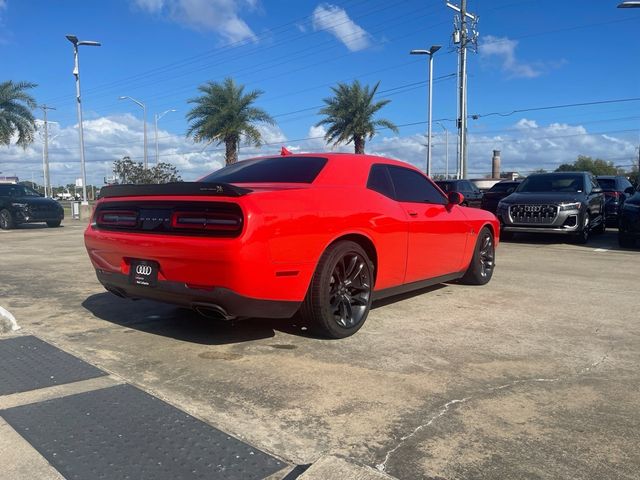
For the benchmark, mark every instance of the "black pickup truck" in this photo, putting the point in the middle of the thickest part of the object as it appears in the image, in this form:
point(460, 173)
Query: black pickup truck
point(567, 203)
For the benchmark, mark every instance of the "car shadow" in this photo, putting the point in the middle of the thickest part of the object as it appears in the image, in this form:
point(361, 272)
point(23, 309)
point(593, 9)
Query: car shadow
point(406, 296)
point(185, 324)
point(607, 240)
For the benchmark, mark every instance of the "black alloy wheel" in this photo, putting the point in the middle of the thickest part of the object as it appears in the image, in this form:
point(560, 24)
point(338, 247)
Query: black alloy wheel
point(6, 220)
point(340, 294)
point(483, 262)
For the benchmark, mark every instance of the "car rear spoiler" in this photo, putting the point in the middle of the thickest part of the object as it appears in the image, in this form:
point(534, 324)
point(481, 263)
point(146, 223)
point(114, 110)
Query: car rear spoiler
point(177, 188)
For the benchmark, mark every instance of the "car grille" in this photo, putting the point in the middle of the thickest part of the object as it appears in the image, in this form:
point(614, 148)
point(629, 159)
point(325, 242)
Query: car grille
point(534, 214)
point(42, 211)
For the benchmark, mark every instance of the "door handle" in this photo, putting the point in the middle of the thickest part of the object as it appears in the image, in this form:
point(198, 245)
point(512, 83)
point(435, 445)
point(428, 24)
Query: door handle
point(412, 213)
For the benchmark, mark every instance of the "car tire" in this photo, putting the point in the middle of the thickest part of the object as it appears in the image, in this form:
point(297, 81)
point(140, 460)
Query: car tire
point(602, 227)
point(6, 220)
point(54, 223)
point(483, 262)
point(339, 296)
point(625, 240)
point(582, 237)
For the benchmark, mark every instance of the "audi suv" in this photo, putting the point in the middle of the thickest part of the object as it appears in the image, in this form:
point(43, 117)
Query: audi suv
point(566, 203)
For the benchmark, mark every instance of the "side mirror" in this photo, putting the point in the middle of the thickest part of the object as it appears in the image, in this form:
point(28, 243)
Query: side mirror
point(630, 190)
point(596, 190)
point(455, 198)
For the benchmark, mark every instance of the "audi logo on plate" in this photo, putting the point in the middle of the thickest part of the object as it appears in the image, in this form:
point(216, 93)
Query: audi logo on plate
point(143, 269)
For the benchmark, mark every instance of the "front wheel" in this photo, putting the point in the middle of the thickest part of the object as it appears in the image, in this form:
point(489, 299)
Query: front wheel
point(483, 262)
point(339, 297)
point(53, 223)
point(6, 220)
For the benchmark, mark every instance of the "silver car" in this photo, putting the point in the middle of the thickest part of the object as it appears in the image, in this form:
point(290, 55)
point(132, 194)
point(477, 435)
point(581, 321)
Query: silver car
point(567, 203)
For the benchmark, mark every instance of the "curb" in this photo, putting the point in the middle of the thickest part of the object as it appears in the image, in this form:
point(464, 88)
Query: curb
point(335, 467)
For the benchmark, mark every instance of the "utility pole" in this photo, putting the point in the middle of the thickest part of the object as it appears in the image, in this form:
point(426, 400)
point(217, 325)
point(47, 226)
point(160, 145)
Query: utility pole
point(47, 180)
point(462, 38)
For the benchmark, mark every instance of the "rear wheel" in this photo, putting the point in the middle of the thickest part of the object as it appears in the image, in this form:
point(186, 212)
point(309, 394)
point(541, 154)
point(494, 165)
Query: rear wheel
point(54, 223)
point(339, 297)
point(483, 262)
point(6, 220)
point(582, 236)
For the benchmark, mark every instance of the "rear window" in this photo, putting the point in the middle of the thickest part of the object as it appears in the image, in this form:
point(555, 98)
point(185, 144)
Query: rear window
point(287, 169)
point(445, 186)
point(502, 187)
point(607, 183)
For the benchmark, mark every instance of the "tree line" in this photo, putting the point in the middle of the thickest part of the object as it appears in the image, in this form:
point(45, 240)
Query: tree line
point(224, 113)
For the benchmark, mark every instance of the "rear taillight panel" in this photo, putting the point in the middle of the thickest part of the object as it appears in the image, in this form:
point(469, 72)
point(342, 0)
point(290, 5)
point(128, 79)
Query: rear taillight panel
point(222, 219)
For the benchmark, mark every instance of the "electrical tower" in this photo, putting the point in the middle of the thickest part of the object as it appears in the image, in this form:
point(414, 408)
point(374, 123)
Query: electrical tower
point(463, 39)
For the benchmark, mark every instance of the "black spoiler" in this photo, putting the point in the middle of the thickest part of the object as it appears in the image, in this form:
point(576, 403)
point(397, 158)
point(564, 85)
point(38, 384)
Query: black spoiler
point(177, 188)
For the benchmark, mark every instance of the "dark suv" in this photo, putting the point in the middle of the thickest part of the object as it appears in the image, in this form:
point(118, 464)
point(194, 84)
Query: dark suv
point(20, 204)
point(472, 194)
point(568, 203)
point(616, 190)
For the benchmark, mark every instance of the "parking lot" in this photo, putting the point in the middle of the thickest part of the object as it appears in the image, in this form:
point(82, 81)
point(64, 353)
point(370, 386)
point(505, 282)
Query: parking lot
point(533, 376)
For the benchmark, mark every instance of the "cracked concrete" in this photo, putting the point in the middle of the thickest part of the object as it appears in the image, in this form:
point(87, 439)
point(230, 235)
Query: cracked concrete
point(552, 311)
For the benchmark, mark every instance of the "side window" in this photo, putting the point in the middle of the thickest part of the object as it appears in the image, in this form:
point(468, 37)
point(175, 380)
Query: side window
point(591, 184)
point(624, 184)
point(379, 181)
point(411, 186)
point(465, 187)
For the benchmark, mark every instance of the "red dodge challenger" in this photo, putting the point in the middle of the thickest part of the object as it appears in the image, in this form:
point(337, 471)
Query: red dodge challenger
point(324, 234)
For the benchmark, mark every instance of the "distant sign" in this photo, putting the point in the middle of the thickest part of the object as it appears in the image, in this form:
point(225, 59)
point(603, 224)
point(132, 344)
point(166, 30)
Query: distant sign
point(78, 182)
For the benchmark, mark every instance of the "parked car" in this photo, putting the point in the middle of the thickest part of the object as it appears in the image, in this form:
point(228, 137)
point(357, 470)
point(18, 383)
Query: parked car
point(616, 190)
point(629, 220)
point(496, 193)
point(472, 194)
point(323, 234)
point(21, 204)
point(566, 203)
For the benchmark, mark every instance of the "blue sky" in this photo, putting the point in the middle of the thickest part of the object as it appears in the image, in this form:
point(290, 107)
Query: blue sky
point(532, 54)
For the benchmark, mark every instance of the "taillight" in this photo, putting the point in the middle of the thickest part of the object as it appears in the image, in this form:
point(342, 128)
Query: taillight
point(117, 218)
point(615, 195)
point(206, 221)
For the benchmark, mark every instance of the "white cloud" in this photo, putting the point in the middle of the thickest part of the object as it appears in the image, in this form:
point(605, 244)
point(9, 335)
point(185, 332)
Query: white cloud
point(504, 49)
point(525, 145)
point(335, 20)
point(220, 16)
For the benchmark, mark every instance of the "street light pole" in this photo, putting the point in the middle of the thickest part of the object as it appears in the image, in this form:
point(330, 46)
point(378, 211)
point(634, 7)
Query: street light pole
point(430, 52)
point(158, 117)
point(76, 73)
point(632, 4)
point(144, 114)
point(446, 150)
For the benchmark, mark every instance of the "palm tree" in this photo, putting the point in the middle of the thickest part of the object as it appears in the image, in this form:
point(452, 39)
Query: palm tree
point(224, 113)
point(15, 113)
point(349, 114)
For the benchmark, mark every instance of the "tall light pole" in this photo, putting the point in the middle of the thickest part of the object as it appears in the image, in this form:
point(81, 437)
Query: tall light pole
point(158, 117)
point(144, 113)
point(446, 150)
point(632, 4)
point(430, 52)
point(76, 73)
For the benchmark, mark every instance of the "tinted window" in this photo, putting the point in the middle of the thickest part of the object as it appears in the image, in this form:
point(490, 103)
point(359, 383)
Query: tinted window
point(624, 184)
point(503, 186)
point(410, 186)
point(270, 170)
point(445, 186)
point(379, 181)
point(17, 191)
point(553, 183)
point(608, 184)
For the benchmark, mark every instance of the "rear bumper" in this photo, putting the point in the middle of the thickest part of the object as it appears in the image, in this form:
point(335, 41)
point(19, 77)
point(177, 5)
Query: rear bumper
point(226, 302)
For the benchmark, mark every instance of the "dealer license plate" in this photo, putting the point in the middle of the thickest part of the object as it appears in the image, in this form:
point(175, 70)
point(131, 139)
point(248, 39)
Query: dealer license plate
point(143, 272)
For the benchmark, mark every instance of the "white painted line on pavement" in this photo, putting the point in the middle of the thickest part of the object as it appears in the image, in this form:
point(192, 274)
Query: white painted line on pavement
point(601, 250)
point(6, 315)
